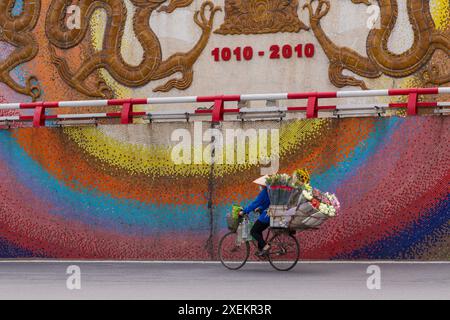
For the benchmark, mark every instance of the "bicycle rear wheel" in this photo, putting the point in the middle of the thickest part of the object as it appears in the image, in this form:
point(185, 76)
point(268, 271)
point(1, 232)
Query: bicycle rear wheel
point(232, 255)
point(284, 251)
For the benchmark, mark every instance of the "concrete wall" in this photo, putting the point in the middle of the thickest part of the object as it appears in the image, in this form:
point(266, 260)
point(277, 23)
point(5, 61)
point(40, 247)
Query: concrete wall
point(113, 192)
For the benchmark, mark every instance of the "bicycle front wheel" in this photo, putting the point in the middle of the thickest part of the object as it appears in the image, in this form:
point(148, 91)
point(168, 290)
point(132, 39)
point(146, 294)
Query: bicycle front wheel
point(233, 255)
point(284, 251)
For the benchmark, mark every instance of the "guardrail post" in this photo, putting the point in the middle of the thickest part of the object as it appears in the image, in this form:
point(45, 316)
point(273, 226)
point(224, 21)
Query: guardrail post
point(312, 110)
point(218, 110)
point(126, 116)
point(412, 104)
point(39, 117)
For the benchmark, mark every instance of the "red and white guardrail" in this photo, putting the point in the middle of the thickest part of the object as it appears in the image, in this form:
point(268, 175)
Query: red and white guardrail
point(218, 110)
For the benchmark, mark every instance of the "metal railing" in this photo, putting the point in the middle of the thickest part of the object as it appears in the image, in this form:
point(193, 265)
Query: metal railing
point(218, 109)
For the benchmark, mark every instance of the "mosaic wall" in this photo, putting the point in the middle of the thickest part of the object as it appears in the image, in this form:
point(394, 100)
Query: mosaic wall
point(113, 192)
point(77, 49)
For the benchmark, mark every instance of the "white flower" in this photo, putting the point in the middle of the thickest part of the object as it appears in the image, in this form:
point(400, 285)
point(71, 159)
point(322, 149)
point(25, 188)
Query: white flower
point(332, 212)
point(324, 208)
point(308, 195)
point(327, 210)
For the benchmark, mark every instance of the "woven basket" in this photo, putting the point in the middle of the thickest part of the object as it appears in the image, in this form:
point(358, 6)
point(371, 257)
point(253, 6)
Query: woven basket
point(232, 223)
point(306, 209)
point(306, 216)
point(311, 221)
point(315, 220)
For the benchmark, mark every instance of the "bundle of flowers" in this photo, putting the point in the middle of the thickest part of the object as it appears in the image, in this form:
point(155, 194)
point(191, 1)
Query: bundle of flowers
point(301, 177)
point(280, 189)
point(314, 207)
point(233, 218)
point(309, 207)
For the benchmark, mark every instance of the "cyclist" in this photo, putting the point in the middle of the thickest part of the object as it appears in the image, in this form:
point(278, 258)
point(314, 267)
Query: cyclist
point(260, 205)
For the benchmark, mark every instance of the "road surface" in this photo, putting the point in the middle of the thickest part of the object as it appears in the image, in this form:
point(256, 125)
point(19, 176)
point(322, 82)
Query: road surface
point(135, 280)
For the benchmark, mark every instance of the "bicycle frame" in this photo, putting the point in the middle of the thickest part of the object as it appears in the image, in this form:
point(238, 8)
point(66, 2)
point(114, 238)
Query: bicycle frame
point(271, 234)
point(279, 248)
point(270, 231)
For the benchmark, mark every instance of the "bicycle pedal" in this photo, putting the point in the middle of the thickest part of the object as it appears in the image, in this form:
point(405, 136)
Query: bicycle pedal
point(262, 257)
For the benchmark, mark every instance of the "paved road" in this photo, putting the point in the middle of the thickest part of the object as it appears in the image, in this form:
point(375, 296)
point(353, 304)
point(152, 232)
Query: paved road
point(108, 280)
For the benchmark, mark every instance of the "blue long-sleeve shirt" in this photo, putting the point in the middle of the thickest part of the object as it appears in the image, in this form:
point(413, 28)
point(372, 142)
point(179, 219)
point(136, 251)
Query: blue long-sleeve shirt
point(262, 202)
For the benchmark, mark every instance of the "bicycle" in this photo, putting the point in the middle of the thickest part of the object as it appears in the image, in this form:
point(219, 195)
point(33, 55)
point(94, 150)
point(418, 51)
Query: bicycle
point(283, 254)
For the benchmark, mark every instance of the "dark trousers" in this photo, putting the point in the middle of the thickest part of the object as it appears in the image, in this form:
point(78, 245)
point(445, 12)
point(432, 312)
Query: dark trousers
point(257, 233)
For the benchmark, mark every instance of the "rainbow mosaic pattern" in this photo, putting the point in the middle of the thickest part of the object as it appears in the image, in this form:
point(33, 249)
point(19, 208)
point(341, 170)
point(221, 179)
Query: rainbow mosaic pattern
point(83, 193)
point(94, 193)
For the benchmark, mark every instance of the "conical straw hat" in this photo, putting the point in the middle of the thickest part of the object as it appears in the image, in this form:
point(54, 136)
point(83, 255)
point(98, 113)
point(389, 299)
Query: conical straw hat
point(261, 180)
